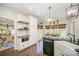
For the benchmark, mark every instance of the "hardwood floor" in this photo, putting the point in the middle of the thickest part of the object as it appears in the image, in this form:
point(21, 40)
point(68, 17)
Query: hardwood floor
point(7, 52)
point(45, 54)
point(30, 51)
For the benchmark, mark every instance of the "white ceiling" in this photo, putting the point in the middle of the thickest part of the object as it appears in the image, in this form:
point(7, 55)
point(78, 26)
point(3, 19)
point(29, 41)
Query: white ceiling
point(41, 9)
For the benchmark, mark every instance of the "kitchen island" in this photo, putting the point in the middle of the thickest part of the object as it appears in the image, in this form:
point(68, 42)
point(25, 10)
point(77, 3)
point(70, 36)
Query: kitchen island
point(59, 47)
point(64, 48)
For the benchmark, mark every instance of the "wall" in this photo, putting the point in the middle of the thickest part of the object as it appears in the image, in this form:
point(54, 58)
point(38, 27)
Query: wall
point(8, 13)
point(18, 41)
point(77, 28)
point(73, 27)
point(33, 37)
point(14, 15)
point(33, 29)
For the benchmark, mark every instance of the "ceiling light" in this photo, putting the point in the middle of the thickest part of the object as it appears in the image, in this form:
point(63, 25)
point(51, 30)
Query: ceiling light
point(30, 8)
point(49, 19)
point(72, 12)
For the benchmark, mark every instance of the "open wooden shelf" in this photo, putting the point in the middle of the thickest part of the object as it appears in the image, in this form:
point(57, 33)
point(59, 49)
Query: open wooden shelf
point(23, 22)
point(24, 28)
point(52, 26)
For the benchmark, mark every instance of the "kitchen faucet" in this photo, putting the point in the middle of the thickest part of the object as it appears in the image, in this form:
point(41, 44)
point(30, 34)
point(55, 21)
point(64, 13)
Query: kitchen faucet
point(72, 37)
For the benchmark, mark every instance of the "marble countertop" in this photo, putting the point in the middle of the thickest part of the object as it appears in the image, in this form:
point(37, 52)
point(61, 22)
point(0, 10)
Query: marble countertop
point(67, 48)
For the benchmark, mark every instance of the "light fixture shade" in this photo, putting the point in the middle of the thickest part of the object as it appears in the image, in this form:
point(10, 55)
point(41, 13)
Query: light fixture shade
point(72, 12)
point(49, 19)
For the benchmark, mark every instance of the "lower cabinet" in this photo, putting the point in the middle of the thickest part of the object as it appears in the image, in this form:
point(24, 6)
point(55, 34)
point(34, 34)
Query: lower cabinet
point(30, 51)
point(48, 48)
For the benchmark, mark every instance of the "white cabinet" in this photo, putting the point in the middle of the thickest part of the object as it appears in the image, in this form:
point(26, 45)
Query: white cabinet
point(40, 46)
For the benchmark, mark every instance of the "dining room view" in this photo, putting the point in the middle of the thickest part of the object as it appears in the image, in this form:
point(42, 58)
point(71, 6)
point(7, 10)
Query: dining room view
point(39, 29)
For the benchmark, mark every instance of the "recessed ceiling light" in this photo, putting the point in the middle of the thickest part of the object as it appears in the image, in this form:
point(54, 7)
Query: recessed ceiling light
point(30, 8)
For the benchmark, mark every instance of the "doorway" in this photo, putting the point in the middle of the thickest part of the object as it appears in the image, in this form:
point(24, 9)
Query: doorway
point(6, 36)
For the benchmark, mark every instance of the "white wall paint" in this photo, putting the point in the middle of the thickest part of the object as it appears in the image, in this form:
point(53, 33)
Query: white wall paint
point(9, 13)
point(18, 41)
point(77, 28)
point(32, 33)
point(71, 29)
point(33, 28)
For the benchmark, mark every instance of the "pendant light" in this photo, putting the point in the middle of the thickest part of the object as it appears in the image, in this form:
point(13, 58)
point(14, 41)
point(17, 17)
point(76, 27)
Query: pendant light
point(7, 25)
point(72, 11)
point(49, 18)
